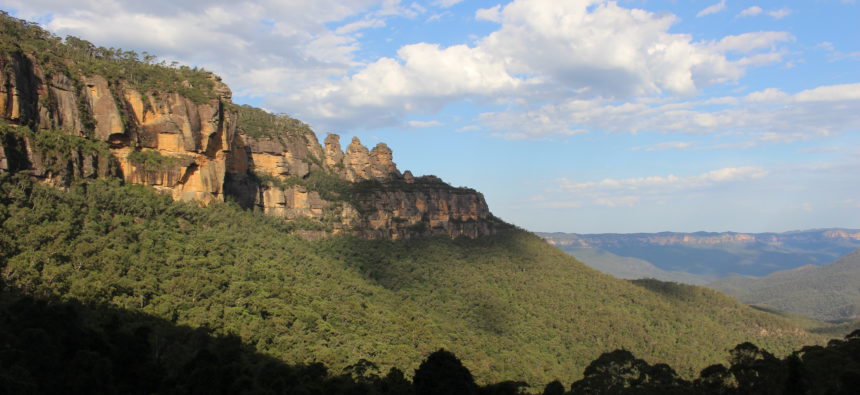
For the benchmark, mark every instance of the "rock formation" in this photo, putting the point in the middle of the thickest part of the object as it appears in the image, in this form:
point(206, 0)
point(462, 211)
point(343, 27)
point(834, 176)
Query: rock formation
point(202, 150)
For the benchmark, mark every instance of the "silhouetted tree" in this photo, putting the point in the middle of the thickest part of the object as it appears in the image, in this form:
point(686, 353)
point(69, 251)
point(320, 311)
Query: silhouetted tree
point(554, 388)
point(395, 383)
point(756, 370)
point(620, 372)
point(612, 372)
point(715, 379)
point(443, 373)
point(504, 388)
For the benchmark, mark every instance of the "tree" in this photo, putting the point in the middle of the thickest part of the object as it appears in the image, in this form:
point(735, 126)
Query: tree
point(756, 370)
point(443, 373)
point(554, 388)
point(612, 372)
point(395, 383)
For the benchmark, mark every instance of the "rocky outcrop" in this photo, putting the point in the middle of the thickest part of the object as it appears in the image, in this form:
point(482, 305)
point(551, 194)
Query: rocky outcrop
point(425, 206)
point(286, 158)
point(192, 138)
point(198, 150)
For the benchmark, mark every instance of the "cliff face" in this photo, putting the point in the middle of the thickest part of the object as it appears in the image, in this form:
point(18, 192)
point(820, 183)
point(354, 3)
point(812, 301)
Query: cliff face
point(204, 150)
point(424, 205)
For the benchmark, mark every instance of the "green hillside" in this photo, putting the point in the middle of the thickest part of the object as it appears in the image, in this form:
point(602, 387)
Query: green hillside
point(830, 292)
point(510, 306)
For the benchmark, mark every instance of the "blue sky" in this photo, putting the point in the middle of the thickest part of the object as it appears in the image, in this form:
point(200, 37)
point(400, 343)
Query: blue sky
point(578, 116)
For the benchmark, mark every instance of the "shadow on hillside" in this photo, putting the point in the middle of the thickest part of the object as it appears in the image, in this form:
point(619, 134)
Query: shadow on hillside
point(402, 264)
point(420, 268)
point(682, 292)
point(52, 346)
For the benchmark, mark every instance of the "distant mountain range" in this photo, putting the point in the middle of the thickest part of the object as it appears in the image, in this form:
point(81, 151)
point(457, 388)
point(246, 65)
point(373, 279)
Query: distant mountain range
point(830, 292)
point(702, 256)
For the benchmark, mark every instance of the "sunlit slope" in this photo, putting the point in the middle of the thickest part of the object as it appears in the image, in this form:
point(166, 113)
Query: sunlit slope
point(510, 306)
point(830, 292)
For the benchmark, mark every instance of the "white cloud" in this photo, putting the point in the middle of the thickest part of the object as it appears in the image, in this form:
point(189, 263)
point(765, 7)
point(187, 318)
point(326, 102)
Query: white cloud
point(751, 11)
point(780, 13)
point(756, 11)
point(766, 116)
point(446, 3)
point(654, 183)
point(423, 124)
point(492, 14)
point(751, 42)
point(543, 50)
point(359, 25)
point(713, 9)
point(628, 192)
point(832, 93)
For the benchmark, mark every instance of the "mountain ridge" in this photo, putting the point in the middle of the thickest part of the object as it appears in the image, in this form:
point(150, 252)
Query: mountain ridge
point(711, 255)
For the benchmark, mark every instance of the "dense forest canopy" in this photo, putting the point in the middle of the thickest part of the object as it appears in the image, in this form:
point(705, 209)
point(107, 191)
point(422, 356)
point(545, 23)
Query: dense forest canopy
point(510, 305)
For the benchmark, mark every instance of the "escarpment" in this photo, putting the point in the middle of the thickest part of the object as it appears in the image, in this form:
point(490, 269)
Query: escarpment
point(73, 110)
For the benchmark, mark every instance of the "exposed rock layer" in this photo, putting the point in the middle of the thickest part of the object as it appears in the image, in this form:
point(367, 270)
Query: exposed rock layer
point(198, 151)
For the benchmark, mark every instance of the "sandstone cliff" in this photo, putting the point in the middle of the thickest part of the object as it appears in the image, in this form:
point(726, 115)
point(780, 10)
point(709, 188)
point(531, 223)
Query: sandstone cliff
point(71, 113)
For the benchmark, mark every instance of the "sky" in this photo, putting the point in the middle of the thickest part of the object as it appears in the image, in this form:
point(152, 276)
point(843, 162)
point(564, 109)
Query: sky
point(583, 116)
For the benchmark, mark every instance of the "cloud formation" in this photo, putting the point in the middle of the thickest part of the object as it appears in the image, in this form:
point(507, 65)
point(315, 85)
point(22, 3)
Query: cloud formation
point(713, 9)
point(631, 191)
point(765, 116)
point(756, 11)
point(542, 51)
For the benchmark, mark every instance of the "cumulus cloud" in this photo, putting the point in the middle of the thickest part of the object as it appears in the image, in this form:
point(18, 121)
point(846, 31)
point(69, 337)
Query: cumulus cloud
point(756, 11)
point(751, 11)
point(713, 9)
point(492, 14)
point(543, 50)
